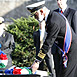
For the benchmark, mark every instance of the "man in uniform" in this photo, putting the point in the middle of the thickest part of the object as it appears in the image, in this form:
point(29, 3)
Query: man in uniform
point(39, 37)
point(7, 45)
point(58, 29)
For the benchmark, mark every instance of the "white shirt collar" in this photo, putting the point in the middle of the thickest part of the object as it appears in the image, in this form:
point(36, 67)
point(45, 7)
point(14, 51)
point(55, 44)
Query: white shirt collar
point(63, 8)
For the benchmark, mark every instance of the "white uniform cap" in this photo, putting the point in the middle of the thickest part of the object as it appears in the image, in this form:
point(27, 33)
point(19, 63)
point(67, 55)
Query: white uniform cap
point(36, 6)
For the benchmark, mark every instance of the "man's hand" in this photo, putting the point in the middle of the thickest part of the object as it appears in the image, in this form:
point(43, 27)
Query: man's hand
point(35, 66)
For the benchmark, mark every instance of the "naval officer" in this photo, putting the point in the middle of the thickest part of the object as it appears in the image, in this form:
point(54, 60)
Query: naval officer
point(58, 29)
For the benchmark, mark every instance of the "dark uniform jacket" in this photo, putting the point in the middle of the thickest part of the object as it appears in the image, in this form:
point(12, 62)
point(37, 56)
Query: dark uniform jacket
point(36, 37)
point(56, 27)
point(7, 46)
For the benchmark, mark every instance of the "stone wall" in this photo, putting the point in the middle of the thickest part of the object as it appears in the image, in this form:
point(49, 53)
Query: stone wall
point(17, 8)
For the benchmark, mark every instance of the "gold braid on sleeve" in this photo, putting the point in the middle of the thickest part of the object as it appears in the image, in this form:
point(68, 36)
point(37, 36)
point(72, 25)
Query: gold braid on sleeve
point(41, 54)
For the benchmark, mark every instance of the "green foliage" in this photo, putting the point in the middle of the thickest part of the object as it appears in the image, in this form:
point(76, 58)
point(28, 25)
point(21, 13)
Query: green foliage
point(23, 29)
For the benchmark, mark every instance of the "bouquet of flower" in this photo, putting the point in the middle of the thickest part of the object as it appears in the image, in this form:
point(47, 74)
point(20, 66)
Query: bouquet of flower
point(3, 59)
point(18, 70)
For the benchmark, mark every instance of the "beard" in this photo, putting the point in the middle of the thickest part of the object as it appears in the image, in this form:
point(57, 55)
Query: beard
point(40, 17)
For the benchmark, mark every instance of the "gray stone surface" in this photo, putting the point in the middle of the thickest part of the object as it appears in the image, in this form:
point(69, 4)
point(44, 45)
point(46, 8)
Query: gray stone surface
point(17, 8)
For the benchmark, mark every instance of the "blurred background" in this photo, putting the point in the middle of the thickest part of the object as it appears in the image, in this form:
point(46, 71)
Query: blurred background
point(17, 8)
